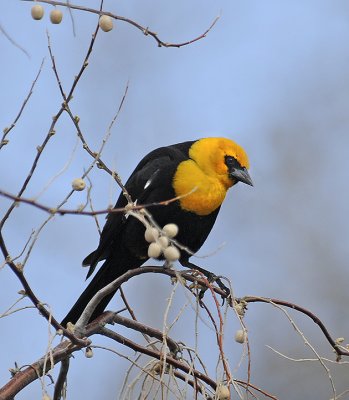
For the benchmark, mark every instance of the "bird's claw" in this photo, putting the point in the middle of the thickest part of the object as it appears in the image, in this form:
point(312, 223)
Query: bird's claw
point(214, 278)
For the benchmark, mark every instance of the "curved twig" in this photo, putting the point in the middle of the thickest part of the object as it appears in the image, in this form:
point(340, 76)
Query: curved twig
point(144, 30)
point(337, 348)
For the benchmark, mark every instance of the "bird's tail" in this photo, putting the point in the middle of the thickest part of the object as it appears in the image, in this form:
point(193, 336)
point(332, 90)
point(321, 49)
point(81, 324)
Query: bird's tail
point(109, 271)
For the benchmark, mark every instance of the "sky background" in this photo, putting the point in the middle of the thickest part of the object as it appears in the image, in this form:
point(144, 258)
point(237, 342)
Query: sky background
point(272, 75)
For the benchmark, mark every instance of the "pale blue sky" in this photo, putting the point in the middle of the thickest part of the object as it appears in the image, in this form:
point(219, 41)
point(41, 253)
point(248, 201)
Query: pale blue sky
point(272, 75)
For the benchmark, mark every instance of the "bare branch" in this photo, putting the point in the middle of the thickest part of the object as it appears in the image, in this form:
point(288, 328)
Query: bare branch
point(144, 30)
point(61, 380)
point(51, 130)
point(173, 346)
point(10, 39)
point(114, 285)
point(31, 295)
point(62, 211)
point(337, 348)
point(6, 131)
point(62, 351)
point(158, 355)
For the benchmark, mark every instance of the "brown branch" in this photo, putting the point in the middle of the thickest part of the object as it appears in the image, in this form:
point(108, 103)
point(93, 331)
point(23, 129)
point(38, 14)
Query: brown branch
point(62, 377)
point(158, 355)
point(17, 268)
point(60, 353)
point(62, 211)
point(51, 131)
point(144, 30)
point(140, 327)
point(132, 314)
point(247, 299)
point(219, 333)
point(219, 337)
point(63, 351)
point(127, 305)
point(337, 348)
point(192, 383)
point(75, 119)
point(31, 295)
point(23, 378)
point(174, 362)
point(114, 285)
point(249, 386)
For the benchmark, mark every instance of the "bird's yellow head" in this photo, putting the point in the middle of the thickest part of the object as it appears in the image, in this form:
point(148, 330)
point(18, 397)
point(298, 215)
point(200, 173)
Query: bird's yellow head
point(214, 165)
point(223, 159)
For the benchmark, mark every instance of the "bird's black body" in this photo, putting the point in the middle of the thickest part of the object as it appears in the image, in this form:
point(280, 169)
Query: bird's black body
point(122, 244)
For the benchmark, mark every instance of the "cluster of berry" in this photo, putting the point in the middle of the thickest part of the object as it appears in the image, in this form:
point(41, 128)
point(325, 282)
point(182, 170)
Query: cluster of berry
point(56, 16)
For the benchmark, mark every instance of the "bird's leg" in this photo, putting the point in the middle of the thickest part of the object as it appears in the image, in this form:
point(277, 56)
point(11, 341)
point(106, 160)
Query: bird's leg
point(211, 277)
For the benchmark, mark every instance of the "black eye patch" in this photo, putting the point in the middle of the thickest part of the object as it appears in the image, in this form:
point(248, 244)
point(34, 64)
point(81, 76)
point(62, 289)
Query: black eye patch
point(231, 162)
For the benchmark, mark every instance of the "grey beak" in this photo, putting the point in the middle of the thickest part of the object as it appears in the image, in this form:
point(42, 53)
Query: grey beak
point(241, 175)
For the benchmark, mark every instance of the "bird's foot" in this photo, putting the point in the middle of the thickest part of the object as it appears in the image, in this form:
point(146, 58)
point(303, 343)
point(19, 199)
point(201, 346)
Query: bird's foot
point(214, 278)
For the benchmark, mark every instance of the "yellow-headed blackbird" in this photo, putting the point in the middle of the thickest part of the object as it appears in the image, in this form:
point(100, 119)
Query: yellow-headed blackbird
point(199, 172)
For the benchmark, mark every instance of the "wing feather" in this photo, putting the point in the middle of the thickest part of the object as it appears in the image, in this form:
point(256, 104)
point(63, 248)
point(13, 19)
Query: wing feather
point(146, 184)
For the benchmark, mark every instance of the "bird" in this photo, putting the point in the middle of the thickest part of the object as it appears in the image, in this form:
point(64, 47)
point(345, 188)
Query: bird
point(197, 174)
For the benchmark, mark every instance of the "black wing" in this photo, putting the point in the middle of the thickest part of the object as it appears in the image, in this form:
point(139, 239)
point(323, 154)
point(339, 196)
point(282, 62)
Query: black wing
point(149, 182)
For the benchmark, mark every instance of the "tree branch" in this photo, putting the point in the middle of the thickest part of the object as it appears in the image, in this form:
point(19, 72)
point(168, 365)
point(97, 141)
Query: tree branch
point(337, 348)
point(144, 30)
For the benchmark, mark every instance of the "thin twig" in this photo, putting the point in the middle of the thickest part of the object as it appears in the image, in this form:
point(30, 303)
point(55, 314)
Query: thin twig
point(75, 119)
point(11, 309)
point(140, 327)
point(307, 343)
point(132, 314)
point(71, 18)
point(257, 389)
point(61, 352)
point(62, 211)
point(144, 30)
point(220, 332)
point(158, 355)
point(31, 295)
point(13, 42)
point(4, 141)
point(338, 349)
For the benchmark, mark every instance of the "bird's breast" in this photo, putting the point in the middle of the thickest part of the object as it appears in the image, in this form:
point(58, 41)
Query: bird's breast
point(200, 193)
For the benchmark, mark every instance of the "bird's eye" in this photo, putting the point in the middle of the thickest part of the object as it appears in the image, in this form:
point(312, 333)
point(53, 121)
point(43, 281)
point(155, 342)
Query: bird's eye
point(231, 162)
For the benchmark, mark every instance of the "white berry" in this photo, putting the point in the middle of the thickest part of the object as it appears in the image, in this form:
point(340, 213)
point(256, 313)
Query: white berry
point(170, 230)
point(89, 352)
point(154, 250)
point(171, 253)
point(163, 242)
point(105, 23)
point(37, 11)
point(151, 234)
point(56, 16)
point(78, 184)
point(240, 336)
point(222, 392)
